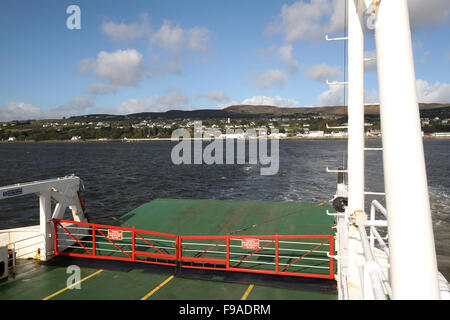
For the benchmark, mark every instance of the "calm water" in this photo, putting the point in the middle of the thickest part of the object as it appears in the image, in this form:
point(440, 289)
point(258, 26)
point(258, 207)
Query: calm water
point(119, 177)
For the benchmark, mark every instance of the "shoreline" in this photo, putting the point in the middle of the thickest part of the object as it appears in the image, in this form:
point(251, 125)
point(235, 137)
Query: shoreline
point(203, 139)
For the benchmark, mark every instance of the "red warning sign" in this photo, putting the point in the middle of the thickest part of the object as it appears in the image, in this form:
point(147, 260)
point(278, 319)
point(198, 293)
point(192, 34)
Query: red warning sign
point(250, 244)
point(114, 234)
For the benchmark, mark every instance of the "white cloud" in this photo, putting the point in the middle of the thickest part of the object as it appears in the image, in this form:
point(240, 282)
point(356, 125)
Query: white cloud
point(77, 106)
point(432, 93)
point(168, 37)
point(120, 68)
point(213, 95)
point(170, 64)
point(271, 101)
point(100, 88)
point(311, 20)
point(122, 31)
point(198, 39)
point(322, 72)
point(171, 101)
point(155, 103)
point(308, 20)
point(225, 105)
point(426, 93)
point(269, 78)
point(176, 43)
point(175, 38)
point(334, 96)
point(262, 101)
point(20, 111)
point(26, 111)
point(285, 53)
point(429, 13)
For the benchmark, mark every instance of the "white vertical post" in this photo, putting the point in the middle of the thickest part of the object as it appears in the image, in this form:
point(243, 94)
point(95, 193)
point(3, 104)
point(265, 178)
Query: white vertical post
point(411, 241)
point(355, 164)
point(45, 224)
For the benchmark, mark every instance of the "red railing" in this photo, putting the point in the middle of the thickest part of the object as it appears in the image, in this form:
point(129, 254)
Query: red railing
point(292, 255)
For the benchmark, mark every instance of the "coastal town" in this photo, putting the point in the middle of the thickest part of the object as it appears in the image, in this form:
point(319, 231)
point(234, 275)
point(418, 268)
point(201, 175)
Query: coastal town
point(103, 128)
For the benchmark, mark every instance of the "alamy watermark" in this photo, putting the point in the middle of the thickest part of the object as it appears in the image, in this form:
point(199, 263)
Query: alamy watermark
point(74, 20)
point(213, 153)
point(73, 281)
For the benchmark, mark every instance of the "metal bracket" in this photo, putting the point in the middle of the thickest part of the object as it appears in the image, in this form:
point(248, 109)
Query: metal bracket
point(337, 214)
point(335, 39)
point(334, 170)
point(342, 127)
point(335, 83)
point(375, 193)
point(333, 257)
point(373, 149)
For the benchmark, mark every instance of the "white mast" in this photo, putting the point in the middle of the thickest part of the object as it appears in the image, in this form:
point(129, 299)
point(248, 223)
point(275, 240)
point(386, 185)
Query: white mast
point(355, 163)
point(413, 270)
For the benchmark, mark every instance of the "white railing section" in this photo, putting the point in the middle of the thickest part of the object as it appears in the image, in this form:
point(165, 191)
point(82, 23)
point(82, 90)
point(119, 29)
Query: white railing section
point(374, 281)
point(24, 249)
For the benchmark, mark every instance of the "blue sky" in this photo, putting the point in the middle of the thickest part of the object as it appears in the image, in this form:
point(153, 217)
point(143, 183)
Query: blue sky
point(133, 56)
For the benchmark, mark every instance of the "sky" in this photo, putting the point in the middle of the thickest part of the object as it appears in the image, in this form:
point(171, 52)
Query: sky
point(135, 56)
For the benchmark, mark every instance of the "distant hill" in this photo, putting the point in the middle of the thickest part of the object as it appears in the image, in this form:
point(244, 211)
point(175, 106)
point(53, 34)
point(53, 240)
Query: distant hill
point(336, 110)
point(262, 111)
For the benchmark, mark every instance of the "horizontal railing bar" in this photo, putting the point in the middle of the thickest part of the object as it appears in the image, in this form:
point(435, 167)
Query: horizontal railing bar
point(290, 242)
point(312, 243)
point(117, 241)
point(74, 234)
point(172, 248)
point(138, 239)
point(21, 240)
point(79, 228)
point(118, 251)
point(79, 248)
point(280, 257)
point(120, 244)
point(18, 230)
point(30, 245)
point(24, 254)
point(301, 250)
point(155, 255)
point(283, 264)
point(204, 260)
point(256, 255)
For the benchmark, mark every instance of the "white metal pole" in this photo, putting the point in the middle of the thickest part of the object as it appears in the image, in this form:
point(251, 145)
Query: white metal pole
point(45, 224)
point(355, 107)
point(411, 241)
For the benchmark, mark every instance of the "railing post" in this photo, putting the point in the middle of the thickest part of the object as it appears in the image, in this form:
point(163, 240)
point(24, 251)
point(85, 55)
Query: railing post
point(276, 252)
point(55, 231)
point(372, 218)
point(331, 256)
point(93, 241)
point(178, 245)
point(133, 244)
point(228, 251)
